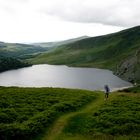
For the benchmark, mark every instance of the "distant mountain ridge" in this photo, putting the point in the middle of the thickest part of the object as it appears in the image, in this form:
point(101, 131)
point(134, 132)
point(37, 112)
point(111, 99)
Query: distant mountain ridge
point(119, 52)
point(59, 43)
point(19, 50)
point(12, 55)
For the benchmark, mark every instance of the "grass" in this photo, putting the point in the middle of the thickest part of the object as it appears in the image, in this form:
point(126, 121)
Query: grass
point(118, 119)
point(67, 114)
point(19, 50)
point(26, 112)
point(58, 126)
point(131, 90)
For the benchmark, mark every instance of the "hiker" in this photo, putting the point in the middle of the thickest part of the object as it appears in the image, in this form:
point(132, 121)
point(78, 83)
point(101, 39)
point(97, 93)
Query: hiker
point(107, 90)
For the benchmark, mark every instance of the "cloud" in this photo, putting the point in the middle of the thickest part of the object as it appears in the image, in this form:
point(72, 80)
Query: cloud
point(12, 6)
point(110, 12)
point(48, 20)
point(123, 13)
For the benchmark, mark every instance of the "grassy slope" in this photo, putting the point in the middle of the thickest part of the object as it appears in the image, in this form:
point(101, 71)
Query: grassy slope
point(114, 51)
point(19, 50)
point(61, 115)
point(116, 119)
point(95, 51)
point(25, 112)
point(56, 129)
point(25, 51)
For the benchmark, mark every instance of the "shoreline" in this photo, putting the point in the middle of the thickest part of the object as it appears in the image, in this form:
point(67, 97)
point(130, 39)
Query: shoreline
point(116, 89)
point(111, 90)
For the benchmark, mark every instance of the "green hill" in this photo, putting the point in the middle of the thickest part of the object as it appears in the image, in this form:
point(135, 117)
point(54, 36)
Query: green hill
point(19, 50)
point(119, 52)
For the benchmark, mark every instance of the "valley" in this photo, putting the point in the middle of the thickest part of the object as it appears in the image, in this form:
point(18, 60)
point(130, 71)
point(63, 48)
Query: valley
point(45, 113)
point(119, 52)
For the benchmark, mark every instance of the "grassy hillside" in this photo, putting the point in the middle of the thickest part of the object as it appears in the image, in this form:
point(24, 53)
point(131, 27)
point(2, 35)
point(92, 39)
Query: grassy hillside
point(67, 114)
point(115, 119)
point(118, 118)
point(19, 50)
point(12, 55)
point(26, 112)
point(119, 52)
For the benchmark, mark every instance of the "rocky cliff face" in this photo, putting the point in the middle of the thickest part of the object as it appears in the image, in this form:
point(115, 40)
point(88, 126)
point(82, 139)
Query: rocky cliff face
point(129, 69)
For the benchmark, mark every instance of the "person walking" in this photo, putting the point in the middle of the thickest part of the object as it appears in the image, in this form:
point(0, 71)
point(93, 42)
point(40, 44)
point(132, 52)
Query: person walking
point(107, 91)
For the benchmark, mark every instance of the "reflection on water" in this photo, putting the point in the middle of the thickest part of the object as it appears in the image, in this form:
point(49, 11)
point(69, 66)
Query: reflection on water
point(61, 76)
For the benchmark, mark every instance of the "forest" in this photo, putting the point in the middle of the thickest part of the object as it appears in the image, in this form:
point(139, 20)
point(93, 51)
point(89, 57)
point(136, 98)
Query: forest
point(8, 63)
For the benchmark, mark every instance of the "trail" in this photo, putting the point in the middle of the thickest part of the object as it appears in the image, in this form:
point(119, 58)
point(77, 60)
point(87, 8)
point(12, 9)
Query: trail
point(59, 124)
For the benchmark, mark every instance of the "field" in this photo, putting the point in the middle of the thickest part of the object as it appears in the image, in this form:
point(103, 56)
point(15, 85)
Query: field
point(67, 114)
point(25, 112)
point(117, 119)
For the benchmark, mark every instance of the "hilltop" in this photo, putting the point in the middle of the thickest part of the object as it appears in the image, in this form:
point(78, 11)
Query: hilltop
point(59, 43)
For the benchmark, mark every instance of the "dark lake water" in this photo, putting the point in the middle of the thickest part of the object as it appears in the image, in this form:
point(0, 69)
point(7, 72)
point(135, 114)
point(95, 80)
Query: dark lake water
point(61, 76)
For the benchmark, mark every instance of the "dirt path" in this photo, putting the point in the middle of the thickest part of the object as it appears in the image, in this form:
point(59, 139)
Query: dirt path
point(59, 124)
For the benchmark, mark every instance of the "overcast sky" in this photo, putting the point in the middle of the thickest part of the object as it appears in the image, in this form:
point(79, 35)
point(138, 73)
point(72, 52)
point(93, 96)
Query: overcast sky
point(52, 20)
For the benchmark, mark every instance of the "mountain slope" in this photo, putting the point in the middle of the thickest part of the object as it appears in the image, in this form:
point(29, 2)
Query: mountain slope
point(19, 50)
point(119, 52)
point(59, 43)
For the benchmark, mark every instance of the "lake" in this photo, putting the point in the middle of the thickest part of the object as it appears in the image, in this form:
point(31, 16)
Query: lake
point(61, 76)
